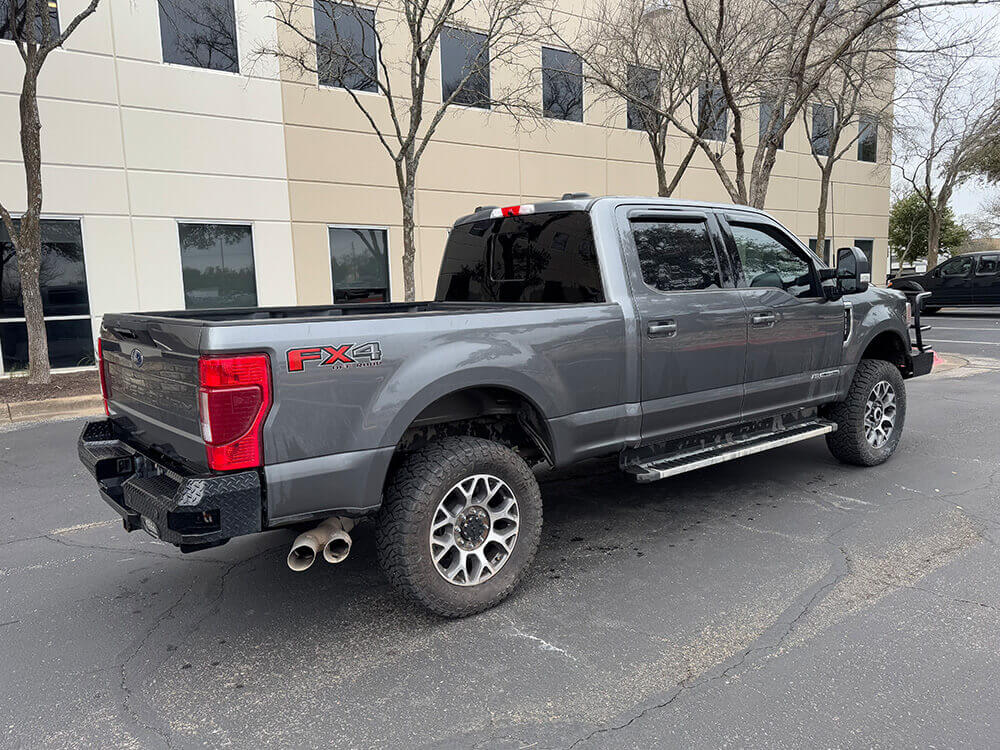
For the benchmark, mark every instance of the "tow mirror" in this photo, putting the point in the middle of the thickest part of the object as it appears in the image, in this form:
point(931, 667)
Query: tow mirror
point(854, 272)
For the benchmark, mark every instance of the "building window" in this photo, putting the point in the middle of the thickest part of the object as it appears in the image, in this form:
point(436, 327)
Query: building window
point(465, 57)
point(644, 85)
point(346, 46)
point(712, 114)
point(825, 255)
point(867, 138)
point(65, 302)
point(6, 32)
point(199, 33)
point(771, 115)
point(359, 264)
point(562, 85)
point(822, 129)
point(868, 248)
point(217, 264)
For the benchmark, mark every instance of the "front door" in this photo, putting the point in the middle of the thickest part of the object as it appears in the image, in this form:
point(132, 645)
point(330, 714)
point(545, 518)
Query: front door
point(692, 322)
point(795, 334)
point(986, 283)
point(951, 282)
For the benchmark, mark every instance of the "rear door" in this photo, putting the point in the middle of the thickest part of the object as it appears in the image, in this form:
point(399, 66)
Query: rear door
point(692, 321)
point(795, 335)
point(986, 282)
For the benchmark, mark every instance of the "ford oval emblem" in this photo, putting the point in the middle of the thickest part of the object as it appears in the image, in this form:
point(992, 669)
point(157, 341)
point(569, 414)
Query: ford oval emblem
point(136, 358)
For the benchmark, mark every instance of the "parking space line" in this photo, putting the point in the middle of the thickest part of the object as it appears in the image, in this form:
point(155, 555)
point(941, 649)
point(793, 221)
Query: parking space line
point(951, 341)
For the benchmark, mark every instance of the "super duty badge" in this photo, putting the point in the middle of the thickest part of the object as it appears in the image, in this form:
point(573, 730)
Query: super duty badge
point(338, 357)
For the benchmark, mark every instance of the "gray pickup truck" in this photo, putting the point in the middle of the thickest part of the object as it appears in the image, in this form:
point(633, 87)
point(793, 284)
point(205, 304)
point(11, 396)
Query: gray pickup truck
point(674, 335)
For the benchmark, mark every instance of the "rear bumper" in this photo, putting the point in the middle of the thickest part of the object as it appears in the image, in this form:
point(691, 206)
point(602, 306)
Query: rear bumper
point(190, 512)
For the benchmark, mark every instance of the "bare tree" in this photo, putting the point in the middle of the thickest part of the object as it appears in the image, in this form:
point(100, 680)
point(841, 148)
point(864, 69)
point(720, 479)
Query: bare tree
point(952, 115)
point(356, 47)
point(35, 33)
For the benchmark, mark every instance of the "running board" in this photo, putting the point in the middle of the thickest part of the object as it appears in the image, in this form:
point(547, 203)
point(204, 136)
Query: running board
point(661, 468)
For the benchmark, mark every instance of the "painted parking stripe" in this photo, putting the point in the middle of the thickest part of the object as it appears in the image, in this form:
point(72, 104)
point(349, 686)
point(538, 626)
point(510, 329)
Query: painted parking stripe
point(951, 341)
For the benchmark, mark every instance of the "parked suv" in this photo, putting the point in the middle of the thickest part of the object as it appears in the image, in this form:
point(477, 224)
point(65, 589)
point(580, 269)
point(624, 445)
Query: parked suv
point(962, 281)
point(670, 334)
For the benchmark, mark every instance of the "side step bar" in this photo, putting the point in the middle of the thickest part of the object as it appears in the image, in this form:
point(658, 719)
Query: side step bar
point(668, 466)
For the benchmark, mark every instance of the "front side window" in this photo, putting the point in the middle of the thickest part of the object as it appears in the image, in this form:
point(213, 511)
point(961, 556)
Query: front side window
point(957, 267)
point(675, 255)
point(547, 257)
point(822, 129)
point(199, 33)
point(17, 30)
point(465, 68)
point(766, 258)
point(771, 115)
point(359, 263)
point(217, 264)
point(867, 139)
point(345, 46)
point(562, 85)
point(643, 85)
point(712, 114)
point(987, 265)
point(65, 302)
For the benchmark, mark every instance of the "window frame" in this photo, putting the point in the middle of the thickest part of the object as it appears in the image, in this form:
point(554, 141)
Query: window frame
point(217, 222)
point(80, 316)
point(583, 98)
point(489, 71)
point(182, 66)
point(388, 256)
point(754, 221)
point(377, 54)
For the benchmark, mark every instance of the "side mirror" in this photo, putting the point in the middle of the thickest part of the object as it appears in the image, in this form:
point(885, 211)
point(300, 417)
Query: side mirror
point(854, 272)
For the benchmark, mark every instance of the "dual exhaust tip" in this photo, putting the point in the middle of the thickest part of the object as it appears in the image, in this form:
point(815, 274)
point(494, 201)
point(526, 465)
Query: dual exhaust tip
point(331, 538)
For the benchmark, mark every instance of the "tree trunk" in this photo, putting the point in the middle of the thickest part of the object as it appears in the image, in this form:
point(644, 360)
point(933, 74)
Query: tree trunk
point(824, 199)
point(29, 244)
point(933, 237)
point(407, 192)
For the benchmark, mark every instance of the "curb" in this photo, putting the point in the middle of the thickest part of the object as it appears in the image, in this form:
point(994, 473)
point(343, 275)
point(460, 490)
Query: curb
point(68, 406)
point(946, 362)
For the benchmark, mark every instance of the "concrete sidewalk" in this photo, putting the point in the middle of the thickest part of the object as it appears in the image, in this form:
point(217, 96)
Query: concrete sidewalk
point(51, 408)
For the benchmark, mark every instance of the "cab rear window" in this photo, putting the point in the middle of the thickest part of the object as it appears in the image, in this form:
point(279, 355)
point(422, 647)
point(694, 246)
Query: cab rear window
point(546, 257)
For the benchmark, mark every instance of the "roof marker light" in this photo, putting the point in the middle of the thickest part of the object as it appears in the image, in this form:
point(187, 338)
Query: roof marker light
point(506, 211)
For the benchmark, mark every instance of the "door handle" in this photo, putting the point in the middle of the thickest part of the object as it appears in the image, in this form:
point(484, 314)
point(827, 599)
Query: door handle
point(663, 328)
point(763, 320)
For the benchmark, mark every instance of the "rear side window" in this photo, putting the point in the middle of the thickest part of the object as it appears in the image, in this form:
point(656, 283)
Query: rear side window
point(675, 255)
point(987, 265)
point(547, 257)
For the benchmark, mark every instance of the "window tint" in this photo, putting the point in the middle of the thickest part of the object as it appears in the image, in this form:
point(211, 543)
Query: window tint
point(70, 344)
point(957, 266)
point(548, 257)
point(766, 258)
point(345, 46)
point(62, 276)
point(676, 255)
point(825, 255)
point(987, 265)
point(868, 248)
point(867, 138)
point(359, 262)
point(465, 56)
point(644, 85)
point(712, 113)
point(7, 32)
point(771, 114)
point(200, 33)
point(822, 128)
point(217, 263)
point(562, 85)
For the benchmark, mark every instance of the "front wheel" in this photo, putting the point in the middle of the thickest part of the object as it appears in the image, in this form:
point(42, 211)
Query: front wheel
point(459, 525)
point(870, 420)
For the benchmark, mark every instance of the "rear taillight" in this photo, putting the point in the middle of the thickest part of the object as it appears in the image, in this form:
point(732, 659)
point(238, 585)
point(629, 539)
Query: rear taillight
point(105, 390)
point(233, 400)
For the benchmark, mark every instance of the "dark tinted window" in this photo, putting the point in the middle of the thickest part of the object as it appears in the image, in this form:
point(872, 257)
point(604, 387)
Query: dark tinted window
point(546, 257)
point(465, 56)
point(987, 265)
point(70, 344)
point(217, 263)
point(712, 113)
point(359, 261)
point(822, 128)
point(867, 139)
point(200, 33)
point(51, 12)
point(62, 276)
point(644, 85)
point(957, 266)
point(825, 255)
point(562, 85)
point(766, 258)
point(868, 248)
point(771, 114)
point(676, 255)
point(345, 51)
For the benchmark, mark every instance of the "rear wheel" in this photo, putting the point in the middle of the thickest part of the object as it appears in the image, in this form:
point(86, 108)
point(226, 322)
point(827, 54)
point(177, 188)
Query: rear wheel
point(870, 420)
point(459, 525)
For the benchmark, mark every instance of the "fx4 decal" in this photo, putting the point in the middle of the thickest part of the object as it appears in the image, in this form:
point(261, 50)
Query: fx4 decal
point(339, 356)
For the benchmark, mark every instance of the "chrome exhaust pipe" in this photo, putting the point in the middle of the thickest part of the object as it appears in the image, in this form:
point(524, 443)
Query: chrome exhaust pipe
point(338, 546)
point(308, 545)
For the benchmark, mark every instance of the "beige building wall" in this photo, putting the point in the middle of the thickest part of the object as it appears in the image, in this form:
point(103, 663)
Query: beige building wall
point(132, 145)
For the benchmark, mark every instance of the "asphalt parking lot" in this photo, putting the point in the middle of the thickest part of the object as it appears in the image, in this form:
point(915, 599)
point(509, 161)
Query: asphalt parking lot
point(783, 600)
